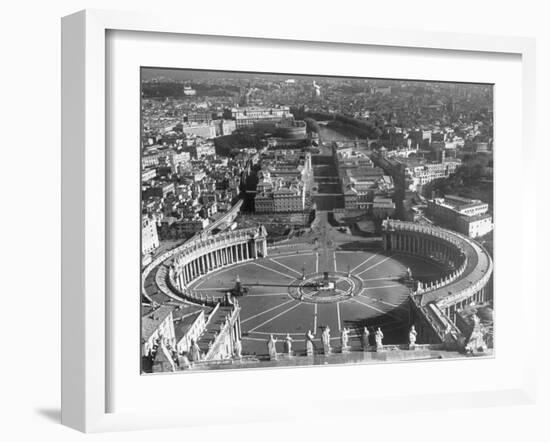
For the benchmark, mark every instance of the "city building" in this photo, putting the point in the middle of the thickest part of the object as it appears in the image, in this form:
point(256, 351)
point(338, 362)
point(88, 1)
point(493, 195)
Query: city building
point(465, 215)
point(246, 116)
point(172, 228)
point(203, 149)
point(279, 194)
point(157, 323)
point(161, 190)
point(225, 127)
point(148, 175)
point(199, 117)
point(383, 207)
point(203, 130)
point(149, 235)
point(413, 173)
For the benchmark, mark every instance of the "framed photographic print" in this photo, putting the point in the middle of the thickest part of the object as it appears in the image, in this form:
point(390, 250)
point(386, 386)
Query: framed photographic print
point(281, 210)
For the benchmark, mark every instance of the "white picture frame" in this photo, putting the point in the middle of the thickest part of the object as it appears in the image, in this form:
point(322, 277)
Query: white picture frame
point(85, 218)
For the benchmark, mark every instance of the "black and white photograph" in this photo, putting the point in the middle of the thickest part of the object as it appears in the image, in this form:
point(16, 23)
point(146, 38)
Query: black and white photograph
point(303, 220)
point(275, 221)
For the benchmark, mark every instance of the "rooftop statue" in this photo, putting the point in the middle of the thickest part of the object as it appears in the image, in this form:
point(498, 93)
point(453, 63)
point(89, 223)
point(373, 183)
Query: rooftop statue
point(344, 339)
point(412, 337)
point(288, 345)
point(325, 338)
point(378, 336)
point(365, 338)
point(309, 343)
point(272, 348)
point(237, 349)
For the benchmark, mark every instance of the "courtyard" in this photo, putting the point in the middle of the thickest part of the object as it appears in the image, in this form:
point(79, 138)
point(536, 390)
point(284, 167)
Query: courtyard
point(377, 294)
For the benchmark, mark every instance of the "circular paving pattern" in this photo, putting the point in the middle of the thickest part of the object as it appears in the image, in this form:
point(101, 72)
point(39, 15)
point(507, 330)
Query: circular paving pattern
point(325, 288)
point(280, 300)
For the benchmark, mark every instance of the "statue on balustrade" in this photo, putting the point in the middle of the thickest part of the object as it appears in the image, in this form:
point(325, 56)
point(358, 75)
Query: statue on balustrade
point(288, 345)
point(378, 336)
point(237, 349)
point(310, 348)
point(412, 337)
point(365, 338)
point(272, 348)
point(344, 339)
point(195, 351)
point(325, 338)
point(476, 342)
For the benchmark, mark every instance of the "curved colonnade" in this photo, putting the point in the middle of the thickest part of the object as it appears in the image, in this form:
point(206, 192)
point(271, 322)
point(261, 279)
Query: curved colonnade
point(468, 269)
point(175, 270)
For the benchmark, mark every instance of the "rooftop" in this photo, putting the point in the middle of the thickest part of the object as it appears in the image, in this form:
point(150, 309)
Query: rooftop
point(151, 318)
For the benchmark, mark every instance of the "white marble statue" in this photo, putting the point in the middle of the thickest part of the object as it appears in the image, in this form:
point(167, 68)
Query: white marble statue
point(195, 351)
point(272, 348)
point(378, 336)
point(288, 345)
point(412, 337)
point(344, 338)
point(325, 337)
point(237, 349)
point(365, 338)
point(309, 343)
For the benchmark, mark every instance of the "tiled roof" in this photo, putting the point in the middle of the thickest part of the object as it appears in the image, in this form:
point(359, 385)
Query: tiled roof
point(152, 318)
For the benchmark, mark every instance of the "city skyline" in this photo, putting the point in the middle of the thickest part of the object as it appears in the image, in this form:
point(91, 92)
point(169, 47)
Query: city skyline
point(186, 74)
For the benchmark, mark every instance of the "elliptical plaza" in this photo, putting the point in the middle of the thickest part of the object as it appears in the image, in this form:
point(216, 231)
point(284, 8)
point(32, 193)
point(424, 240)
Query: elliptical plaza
point(421, 276)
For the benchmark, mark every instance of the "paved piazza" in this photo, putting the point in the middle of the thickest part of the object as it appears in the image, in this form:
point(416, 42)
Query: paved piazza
point(368, 290)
